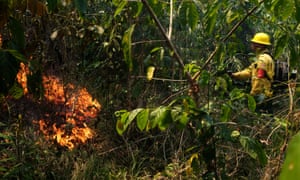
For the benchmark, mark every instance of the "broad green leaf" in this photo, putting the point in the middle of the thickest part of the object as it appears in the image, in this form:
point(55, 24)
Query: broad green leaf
point(120, 127)
point(281, 43)
point(291, 165)
point(126, 43)
point(189, 14)
point(164, 119)
point(120, 7)
point(226, 110)
point(294, 53)
point(122, 124)
point(184, 118)
point(284, 8)
point(212, 14)
point(138, 7)
point(158, 116)
point(236, 94)
point(81, 6)
point(211, 23)
point(204, 78)
point(133, 115)
point(142, 119)
point(254, 149)
point(251, 103)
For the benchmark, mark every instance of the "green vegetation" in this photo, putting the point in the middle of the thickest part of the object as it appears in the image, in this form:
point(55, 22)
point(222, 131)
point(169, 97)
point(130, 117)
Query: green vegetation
point(158, 68)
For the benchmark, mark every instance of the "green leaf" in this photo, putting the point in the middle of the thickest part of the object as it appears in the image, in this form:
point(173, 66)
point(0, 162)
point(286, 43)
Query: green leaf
point(183, 120)
point(291, 165)
point(236, 94)
point(212, 14)
point(139, 8)
point(251, 103)
point(211, 23)
point(122, 124)
point(142, 119)
point(159, 116)
point(294, 53)
point(254, 149)
point(189, 14)
point(204, 78)
point(120, 7)
point(126, 43)
point(132, 115)
point(81, 6)
point(281, 43)
point(226, 110)
point(284, 9)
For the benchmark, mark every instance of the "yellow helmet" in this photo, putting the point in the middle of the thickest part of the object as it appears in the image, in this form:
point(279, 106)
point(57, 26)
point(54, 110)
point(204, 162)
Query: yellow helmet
point(261, 38)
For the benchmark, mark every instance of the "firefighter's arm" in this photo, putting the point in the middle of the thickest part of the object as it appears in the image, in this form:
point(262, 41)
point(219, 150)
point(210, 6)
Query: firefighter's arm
point(242, 75)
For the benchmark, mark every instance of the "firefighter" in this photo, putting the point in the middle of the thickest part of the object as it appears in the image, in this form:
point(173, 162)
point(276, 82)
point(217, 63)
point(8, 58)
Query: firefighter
point(261, 71)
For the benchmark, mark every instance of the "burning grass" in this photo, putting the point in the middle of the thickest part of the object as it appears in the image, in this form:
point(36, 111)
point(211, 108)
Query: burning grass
point(72, 108)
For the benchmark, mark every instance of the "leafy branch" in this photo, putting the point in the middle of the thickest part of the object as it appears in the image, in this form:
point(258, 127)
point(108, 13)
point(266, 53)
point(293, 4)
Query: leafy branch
point(196, 75)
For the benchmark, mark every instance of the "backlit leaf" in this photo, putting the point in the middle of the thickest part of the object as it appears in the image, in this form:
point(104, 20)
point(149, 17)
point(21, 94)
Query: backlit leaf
point(126, 43)
point(120, 7)
point(251, 103)
point(189, 14)
point(284, 8)
point(291, 165)
point(142, 119)
point(226, 110)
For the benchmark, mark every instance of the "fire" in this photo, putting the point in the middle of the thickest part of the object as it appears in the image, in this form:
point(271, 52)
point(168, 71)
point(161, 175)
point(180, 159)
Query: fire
point(71, 108)
point(22, 77)
point(77, 107)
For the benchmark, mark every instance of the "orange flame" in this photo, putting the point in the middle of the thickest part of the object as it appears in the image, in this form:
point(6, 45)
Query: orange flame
point(72, 107)
point(22, 77)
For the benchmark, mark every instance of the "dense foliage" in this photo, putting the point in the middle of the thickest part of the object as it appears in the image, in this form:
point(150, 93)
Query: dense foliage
point(158, 68)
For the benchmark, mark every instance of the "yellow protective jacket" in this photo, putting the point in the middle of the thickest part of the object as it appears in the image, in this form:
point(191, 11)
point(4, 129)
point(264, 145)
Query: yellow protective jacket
point(259, 85)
